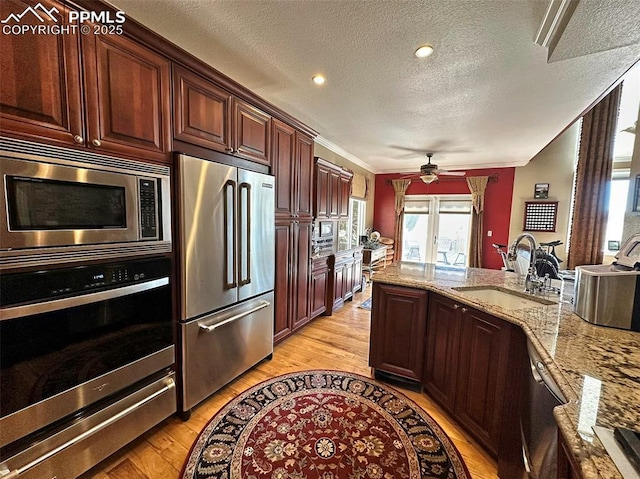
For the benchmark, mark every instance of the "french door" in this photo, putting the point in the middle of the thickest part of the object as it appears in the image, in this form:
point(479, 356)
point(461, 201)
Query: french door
point(436, 229)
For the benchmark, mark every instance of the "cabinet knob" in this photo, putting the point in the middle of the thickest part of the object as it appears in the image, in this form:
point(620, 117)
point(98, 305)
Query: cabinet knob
point(456, 306)
point(96, 142)
point(464, 310)
point(78, 139)
point(230, 150)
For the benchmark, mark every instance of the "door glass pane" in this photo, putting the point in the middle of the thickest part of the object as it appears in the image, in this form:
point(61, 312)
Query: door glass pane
point(453, 238)
point(414, 236)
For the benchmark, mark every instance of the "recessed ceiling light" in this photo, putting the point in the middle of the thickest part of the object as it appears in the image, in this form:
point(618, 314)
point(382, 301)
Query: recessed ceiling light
point(318, 79)
point(424, 51)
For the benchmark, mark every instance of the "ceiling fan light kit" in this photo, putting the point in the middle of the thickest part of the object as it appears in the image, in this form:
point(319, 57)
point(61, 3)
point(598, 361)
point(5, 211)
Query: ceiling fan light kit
point(430, 178)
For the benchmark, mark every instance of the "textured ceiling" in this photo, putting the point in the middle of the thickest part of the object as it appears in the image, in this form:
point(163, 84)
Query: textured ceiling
point(487, 96)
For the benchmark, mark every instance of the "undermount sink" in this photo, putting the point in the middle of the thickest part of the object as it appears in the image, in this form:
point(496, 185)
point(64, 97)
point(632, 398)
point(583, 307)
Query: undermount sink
point(503, 297)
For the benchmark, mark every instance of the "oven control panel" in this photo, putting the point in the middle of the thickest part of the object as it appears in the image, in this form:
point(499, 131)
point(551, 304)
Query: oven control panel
point(55, 283)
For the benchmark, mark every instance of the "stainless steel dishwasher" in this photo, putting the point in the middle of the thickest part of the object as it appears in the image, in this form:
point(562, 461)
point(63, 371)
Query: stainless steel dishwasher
point(537, 426)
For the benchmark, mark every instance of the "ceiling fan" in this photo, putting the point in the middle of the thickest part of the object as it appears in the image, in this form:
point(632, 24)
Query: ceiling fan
point(430, 171)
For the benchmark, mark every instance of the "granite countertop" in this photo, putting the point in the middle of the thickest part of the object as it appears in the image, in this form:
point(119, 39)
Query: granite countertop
point(597, 368)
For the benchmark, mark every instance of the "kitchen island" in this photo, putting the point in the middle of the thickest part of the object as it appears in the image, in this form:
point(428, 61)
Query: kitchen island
point(596, 368)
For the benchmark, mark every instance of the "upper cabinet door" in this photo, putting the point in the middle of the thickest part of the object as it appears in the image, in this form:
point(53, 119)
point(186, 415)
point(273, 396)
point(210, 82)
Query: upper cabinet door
point(344, 195)
point(283, 167)
point(127, 97)
point(40, 94)
point(322, 192)
point(201, 111)
point(252, 136)
point(304, 175)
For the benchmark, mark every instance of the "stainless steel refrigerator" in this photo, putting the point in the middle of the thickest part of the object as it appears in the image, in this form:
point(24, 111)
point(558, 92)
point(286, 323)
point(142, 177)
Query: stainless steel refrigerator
point(228, 261)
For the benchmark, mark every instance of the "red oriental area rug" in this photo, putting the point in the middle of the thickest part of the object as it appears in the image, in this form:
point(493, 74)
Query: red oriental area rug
point(323, 425)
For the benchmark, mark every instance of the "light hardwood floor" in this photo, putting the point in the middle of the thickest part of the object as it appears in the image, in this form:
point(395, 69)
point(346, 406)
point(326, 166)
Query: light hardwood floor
point(338, 342)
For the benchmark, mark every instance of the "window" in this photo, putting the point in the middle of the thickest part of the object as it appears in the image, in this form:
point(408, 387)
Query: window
point(622, 153)
point(436, 229)
point(615, 222)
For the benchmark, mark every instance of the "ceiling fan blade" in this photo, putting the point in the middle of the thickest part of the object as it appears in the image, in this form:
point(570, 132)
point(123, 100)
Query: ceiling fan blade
point(415, 150)
point(451, 173)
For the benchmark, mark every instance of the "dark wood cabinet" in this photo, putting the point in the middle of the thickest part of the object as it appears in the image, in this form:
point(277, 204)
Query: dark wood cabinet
point(282, 326)
point(40, 82)
point(127, 97)
point(201, 111)
point(318, 286)
point(292, 165)
point(105, 92)
point(344, 193)
point(482, 370)
point(207, 115)
point(332, 190)
point(398, 321)
point(283, 168)
point(466, 366)
point(460, 355)
point(303, 198)
point(252, 133)
point(442, 349)
point(293, 240)
point(322, 191)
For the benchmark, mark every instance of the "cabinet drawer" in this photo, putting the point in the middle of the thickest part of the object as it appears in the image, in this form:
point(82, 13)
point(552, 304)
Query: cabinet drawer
point(215, 351)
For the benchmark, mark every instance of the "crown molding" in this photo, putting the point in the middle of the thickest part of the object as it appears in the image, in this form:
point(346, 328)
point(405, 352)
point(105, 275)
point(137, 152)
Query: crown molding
point(343, 153)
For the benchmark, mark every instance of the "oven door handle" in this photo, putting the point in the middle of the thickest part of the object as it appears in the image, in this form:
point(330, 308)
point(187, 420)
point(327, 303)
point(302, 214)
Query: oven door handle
point(169, 385)
point(212, 327)
point(63, 303)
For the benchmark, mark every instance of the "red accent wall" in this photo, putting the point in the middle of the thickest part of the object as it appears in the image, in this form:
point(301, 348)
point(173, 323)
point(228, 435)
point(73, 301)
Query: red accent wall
point(497, 206)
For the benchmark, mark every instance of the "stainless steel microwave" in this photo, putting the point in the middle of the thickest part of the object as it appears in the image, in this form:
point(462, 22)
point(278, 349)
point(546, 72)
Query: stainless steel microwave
point(56, 200)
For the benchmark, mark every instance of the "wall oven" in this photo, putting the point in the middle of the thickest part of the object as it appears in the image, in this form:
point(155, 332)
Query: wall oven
point(67, 205)
point(86, 320)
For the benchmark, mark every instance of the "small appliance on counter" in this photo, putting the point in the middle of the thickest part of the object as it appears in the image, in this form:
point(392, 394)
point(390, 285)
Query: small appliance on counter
point(609, 295)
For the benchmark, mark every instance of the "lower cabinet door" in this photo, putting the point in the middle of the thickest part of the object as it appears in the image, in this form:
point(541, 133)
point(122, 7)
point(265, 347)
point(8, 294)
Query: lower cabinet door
point(442, 350)
point(398, 321)
point(301, 265)
point(318, 289)
point(482, 367)
point(283, 281)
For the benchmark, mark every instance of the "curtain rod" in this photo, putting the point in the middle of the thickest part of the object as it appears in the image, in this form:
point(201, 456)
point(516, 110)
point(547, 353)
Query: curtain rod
point(492, 178)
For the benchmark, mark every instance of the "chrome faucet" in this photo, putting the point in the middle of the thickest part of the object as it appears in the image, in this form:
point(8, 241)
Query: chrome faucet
point(532, 282)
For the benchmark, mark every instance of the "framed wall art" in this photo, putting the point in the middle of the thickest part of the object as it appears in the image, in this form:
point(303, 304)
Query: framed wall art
point(541, 191)
point(540, 215)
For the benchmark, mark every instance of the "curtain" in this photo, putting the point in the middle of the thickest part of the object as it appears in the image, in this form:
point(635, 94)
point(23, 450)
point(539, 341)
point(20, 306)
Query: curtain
point(477, 186)
point(593, 182)
point(399, 187)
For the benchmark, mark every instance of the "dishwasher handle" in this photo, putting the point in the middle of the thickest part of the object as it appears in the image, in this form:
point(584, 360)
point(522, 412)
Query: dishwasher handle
point(541, 375)
point(212, 327)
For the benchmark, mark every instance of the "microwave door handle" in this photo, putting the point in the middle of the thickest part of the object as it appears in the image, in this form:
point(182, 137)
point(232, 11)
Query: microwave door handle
point(245, 229)
point(230, 232)
point(71, 302)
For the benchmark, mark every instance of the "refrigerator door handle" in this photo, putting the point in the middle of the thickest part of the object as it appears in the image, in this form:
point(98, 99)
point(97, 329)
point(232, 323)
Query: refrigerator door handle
point(230, 228)
point(245, 233)
point(212, 327)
